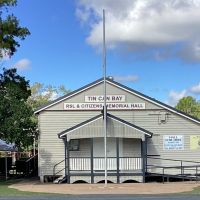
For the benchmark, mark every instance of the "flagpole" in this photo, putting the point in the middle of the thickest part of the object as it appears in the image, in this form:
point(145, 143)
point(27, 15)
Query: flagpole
point(104, 91)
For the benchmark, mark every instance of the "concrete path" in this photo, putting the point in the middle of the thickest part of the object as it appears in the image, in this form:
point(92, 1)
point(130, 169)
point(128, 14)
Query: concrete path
point(102, 197)
point(128, 188)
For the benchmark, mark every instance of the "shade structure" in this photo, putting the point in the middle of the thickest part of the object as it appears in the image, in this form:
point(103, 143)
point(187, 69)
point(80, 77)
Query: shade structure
point(6, 147)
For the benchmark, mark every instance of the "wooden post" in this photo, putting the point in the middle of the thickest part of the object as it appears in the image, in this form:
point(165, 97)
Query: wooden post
point(117, 151)
point(65, 143)
point(6, 166)
point(143, 153)
point(92, 160)
point(68, 162)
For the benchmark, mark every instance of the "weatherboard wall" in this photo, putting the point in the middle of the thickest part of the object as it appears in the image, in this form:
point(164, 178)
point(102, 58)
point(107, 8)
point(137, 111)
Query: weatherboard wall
point(114, 129)
point(98, 90)
point(51, 147)
point(54, 120)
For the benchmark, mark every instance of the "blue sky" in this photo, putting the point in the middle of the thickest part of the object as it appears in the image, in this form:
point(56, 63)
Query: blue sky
point(152, 46)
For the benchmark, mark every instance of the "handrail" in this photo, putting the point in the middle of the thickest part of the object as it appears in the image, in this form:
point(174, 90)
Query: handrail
point(54, 168)
point(175, 167)
point(31, 158)
point(30, 165)
point(182, 167)
point(107, 157)
point(172, 159)
point(59, 163)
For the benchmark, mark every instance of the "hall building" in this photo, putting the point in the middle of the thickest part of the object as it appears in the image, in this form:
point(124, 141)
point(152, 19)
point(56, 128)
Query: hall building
point(144, 136)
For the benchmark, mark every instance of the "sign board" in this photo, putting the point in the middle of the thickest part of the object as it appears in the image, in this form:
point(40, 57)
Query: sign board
point(99, 106)
point(195, 142)
point(173, 142)
point(109, 98)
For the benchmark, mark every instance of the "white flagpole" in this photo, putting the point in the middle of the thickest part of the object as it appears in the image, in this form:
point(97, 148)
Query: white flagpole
point(105, 108)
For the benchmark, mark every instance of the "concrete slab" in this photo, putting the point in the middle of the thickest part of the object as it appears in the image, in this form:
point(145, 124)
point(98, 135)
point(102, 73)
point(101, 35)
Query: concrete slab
point(125, 188)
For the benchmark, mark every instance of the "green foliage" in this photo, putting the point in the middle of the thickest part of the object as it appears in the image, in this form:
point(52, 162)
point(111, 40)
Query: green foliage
point(17, 121)
point(10, 30)
point(41, 94)
point(16, 116)
point(189, 105)
point(7, 3)
point(5, 190)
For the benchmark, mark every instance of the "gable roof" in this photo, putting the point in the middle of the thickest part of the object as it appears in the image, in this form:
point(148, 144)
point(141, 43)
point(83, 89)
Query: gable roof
point(123, 87)
point(38, 110)
point(141, 130)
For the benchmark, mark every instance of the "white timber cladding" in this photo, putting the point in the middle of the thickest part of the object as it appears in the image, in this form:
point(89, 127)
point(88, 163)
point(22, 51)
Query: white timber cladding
point(98, 90)
point(134, 93)
point(84, 149)
point(51, 147)
point(114, 129)
point(131, 148)
point(55, 119)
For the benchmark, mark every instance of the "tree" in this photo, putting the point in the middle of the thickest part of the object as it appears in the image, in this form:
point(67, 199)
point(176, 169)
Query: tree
point(41, 94)
point(16, 116)
point(10, 30)
point(189, 105)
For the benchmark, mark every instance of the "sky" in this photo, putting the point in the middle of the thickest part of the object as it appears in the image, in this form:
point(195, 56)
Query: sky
point(152, 46)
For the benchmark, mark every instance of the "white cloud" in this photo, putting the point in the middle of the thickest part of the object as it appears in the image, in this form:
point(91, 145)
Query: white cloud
point(83, 16)
point(130, 78)
point(23, 64)
point(195, 89)
point(4, 54)
point(51, 95)
point(174, 97)
point(165, 28)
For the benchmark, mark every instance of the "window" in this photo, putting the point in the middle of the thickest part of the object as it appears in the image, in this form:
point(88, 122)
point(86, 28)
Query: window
point(74, 145)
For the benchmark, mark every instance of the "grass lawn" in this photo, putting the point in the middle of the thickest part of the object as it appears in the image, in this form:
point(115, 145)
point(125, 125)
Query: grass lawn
point(5, 191)
point(194, 191)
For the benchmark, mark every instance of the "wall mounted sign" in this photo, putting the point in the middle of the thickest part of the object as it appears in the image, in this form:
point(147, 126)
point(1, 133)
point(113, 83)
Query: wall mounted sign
point(109, 98)
point(173, 142)
point(99, 106)
point(195, 142)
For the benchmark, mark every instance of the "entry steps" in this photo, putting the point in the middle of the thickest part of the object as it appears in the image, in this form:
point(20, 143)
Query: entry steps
point(60, 179)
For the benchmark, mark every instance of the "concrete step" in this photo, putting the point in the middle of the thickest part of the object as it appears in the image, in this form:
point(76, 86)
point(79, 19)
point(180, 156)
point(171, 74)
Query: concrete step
point(60, 179)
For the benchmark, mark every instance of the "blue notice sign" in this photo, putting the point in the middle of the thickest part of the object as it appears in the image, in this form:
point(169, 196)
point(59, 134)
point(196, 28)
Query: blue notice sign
point(173, 142)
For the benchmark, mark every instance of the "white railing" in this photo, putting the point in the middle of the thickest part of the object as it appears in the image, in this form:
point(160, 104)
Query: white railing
point(99, 164)
point(125, 164)
point(80, 164)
